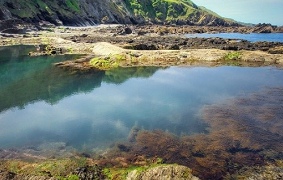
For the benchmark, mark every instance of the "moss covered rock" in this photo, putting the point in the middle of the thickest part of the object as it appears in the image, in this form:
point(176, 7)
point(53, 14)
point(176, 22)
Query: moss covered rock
point(167, 172)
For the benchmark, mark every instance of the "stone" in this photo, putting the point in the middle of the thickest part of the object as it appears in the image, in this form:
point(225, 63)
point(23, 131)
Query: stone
point(89, 173)
point(167, 172)
point(128, 30)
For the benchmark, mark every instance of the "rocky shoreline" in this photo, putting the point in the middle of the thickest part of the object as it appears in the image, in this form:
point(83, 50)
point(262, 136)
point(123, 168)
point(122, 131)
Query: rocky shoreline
point(150, 46)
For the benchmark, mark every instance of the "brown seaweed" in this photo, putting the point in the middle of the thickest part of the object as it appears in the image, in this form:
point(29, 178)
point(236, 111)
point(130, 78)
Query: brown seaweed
point(245, 131)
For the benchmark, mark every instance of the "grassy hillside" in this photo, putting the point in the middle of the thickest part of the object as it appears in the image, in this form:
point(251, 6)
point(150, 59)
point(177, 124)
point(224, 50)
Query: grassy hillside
point(161, 10)
point(182, 11)
point(113, 11)
point(29, 8)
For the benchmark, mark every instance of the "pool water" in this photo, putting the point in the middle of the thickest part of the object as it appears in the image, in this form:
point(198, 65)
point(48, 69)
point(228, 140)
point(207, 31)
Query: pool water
point(40, 103)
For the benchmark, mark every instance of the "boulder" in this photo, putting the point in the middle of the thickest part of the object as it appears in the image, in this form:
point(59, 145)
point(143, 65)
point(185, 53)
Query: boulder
point(126, 30)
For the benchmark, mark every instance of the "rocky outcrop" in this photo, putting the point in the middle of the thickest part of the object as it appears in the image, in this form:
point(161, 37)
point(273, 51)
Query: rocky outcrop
point(90, 172)
point(169, 172)
point(264, 28)
point(5, 13)
point(153, 41)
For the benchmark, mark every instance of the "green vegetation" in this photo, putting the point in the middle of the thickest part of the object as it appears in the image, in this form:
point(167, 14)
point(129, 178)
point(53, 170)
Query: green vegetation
point(168, 10)
point(73, 4)
point(122, 173)
point(72, 177)
point(103, 64)
point(42, 5)
point(232, 56)
point(67, 169)
point(60, 168)
point(31, 8)
point(231, 59)
point(162, 10)
point(173, 11)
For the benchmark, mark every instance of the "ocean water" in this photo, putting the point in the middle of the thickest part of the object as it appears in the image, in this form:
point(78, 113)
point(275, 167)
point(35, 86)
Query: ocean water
point(252, 37)
point(40, 103)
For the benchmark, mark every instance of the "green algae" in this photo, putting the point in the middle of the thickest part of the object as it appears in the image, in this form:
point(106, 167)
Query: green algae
point(103, 64)
point(233, 56)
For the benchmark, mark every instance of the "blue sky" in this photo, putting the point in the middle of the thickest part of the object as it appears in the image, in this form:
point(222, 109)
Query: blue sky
point(249, 11)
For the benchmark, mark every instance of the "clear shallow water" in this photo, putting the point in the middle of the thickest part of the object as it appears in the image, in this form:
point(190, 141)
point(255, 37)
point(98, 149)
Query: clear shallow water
point(252, 37)
point(40, 103)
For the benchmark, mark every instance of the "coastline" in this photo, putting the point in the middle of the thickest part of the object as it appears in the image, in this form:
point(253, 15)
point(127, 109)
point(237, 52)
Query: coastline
point(141, 46)
point(126, 49)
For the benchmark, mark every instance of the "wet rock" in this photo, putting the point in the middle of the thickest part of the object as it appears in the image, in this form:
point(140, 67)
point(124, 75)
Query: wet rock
point(89, 173)
point(170, 172)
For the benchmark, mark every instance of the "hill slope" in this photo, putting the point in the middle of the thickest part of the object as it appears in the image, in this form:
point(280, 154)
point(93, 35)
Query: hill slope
point(89, 12)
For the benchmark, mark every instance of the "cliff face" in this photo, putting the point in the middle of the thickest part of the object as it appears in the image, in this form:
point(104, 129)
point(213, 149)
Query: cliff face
point(67, 12)
point(90, 12)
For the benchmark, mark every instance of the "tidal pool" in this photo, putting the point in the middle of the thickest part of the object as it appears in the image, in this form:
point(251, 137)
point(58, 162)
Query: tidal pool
point(40, 103)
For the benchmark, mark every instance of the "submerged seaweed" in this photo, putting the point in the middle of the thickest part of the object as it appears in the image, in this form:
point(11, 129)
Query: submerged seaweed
point(243, 132)
point(244, 141)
